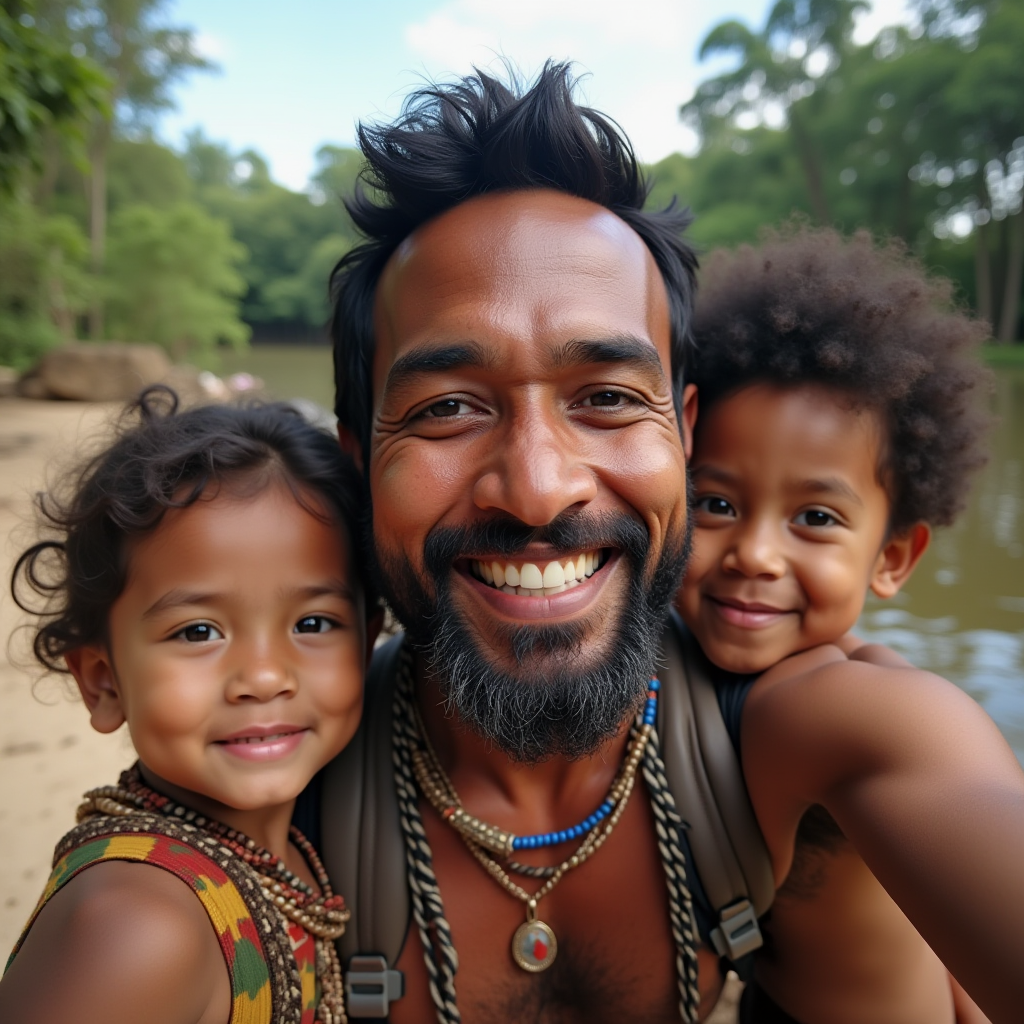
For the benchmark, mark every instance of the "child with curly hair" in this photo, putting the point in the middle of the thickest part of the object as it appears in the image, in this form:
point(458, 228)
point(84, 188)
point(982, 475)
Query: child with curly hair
point(204, 583)
point(838, 425)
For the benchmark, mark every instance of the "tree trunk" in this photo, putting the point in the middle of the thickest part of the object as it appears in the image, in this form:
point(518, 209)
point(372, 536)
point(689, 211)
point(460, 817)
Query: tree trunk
point(983, 272)
point(812, 169)
point(51, 165)
point(1010, 316)
point(98, 220)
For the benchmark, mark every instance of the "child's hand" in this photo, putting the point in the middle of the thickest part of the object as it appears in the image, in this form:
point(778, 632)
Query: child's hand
point(874, 654)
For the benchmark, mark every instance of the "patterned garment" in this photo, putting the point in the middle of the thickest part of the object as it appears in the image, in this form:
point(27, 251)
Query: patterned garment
point(273, 978)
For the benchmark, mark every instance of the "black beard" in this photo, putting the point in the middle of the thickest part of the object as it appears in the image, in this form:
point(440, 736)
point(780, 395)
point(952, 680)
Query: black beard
point(553, 707)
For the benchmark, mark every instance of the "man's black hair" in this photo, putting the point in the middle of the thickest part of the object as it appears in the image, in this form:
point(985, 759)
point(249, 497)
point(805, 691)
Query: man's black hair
point(479, 135)
point(165, 460)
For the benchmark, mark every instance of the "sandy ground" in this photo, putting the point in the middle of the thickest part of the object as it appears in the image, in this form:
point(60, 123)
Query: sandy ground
point(49, 755)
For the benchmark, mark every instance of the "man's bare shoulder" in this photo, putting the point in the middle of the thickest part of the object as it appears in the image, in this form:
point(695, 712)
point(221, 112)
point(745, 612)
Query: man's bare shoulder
point(120, 942)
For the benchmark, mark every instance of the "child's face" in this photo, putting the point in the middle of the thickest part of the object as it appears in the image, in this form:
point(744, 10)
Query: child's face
point(237, 649)
point(790, 525)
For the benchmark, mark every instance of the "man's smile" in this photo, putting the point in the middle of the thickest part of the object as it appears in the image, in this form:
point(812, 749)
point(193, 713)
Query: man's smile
point(539, 578)
point(560, 600)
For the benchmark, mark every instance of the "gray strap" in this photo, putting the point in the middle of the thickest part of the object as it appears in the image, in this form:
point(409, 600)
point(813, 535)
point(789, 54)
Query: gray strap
point(361, 834)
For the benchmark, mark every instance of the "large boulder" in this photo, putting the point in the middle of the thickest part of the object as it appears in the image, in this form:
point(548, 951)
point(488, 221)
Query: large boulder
point(102, 371)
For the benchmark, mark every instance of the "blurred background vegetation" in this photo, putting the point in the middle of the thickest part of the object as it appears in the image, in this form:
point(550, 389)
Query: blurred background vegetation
point(105, 232)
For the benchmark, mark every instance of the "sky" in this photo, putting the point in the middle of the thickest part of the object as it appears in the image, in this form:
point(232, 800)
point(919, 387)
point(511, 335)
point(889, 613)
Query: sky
point(294, 76)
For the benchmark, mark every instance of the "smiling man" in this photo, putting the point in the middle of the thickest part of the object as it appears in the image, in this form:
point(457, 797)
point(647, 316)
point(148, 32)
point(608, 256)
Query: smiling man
point(511, 825)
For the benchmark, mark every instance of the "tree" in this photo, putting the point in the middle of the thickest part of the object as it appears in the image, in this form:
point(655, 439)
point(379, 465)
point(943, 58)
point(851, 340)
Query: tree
point(173, 278)
point(778, 68)
point(44, 284)
point(142, 58)
point(43, 85)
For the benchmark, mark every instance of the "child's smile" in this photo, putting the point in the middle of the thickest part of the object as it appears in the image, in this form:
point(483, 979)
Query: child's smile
point(791, 524)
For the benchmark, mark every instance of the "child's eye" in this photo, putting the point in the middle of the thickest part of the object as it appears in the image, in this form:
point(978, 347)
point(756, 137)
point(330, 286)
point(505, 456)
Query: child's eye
point(715, 506)
point(815, 517)
point(315, 624)
point(199, 633)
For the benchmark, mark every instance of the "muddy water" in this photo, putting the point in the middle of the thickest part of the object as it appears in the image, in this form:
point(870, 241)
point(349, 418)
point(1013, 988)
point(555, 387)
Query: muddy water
point(962, 614)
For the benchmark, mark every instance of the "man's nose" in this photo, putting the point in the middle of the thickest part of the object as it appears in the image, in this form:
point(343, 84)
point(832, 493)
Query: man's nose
point(756, 550)
point(260, 671)
point(537, 472)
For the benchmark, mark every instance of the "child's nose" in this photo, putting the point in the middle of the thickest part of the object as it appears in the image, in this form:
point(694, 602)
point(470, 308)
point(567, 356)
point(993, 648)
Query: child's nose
point(261, 673)
point(757, 552)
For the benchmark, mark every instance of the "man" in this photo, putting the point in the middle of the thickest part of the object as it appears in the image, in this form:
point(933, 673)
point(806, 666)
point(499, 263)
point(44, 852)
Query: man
point(509, 353)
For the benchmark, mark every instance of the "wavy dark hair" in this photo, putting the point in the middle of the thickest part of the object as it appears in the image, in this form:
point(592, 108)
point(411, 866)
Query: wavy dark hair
point(478, 135)
point(807, 306)
point(163, 459)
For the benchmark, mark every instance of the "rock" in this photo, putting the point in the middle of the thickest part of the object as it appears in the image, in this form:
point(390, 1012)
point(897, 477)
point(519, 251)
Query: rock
point(102, 371)
point(30, 385)
point(8, 382)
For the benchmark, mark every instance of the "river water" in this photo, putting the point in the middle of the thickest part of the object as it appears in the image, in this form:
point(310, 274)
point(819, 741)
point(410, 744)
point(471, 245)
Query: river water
point(962, 613)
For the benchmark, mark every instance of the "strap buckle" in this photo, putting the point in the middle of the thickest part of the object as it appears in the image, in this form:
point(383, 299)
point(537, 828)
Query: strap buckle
point(371, 986)
point(738, 932)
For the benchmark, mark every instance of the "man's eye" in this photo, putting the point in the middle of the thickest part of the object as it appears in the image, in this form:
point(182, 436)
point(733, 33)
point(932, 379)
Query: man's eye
point(315, 624)
point(199, 633)
point(715, 506)
point(815, 517)
point(445, 408)
point(605, 399)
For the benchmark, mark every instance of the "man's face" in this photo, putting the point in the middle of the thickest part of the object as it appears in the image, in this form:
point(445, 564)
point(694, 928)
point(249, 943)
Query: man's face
point(524, 433)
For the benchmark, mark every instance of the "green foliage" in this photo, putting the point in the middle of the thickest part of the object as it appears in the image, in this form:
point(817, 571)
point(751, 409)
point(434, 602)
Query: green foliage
point(145, 172)
point(173, 278)
point(43, 85)
point(43, 282)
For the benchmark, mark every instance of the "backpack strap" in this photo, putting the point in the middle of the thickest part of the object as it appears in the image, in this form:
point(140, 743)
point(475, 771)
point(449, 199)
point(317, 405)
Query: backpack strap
point(706, 779)
point(363, 850)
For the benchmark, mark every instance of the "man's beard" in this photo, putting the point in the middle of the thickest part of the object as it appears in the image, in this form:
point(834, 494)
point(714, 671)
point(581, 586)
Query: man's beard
point(553, 707)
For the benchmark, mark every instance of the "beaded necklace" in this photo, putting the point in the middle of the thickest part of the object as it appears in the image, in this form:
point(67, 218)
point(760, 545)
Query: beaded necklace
point(323, 914)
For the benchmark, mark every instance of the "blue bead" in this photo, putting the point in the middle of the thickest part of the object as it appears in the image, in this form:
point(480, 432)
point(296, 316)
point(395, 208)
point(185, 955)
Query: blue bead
point(654, 685)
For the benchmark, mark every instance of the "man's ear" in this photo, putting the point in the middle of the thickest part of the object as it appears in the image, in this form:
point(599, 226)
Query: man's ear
point(349, 444)
point(689, 418)
point(897, 559)
point(374, 624)
point(94, 674)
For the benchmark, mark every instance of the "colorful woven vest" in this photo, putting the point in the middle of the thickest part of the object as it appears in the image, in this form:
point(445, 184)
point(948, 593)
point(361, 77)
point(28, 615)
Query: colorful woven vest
point(271, 961)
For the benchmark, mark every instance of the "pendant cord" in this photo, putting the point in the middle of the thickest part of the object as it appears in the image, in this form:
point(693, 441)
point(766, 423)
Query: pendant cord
point(439, 952)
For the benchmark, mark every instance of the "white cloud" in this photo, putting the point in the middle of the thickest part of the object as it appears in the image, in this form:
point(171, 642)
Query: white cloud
point(882, 14)
point(209, 46)
point(637, 60)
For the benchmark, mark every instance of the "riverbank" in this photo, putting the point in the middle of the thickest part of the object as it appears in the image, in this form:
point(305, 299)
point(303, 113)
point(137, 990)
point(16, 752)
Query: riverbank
point(49, 755)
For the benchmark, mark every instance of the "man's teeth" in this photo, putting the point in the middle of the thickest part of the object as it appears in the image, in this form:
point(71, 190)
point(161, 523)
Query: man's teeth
point(533, 579)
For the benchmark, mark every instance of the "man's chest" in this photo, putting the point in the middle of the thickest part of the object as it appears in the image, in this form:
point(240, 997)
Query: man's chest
point(616, 955)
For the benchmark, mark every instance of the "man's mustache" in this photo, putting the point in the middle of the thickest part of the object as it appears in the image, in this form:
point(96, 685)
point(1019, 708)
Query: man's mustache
point(506, 537)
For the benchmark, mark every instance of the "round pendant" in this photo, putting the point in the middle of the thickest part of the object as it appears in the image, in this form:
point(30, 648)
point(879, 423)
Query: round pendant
point(534, 946)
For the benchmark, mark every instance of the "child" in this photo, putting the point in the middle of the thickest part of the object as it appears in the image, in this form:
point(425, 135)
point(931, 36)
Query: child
point(837, 425)
point(206, 586)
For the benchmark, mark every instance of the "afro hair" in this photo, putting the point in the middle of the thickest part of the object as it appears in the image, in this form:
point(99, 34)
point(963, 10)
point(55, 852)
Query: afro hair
point(808, 307)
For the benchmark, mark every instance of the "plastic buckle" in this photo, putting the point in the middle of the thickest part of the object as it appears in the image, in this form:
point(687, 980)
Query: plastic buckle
point(371, 986)
point(738, 932)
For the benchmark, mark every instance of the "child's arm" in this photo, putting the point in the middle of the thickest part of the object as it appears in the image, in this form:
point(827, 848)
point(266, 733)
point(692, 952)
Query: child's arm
point(119, 944)
point(924, 786)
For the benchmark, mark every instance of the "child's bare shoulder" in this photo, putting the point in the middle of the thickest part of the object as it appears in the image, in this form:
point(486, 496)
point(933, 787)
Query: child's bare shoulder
point(120, 942)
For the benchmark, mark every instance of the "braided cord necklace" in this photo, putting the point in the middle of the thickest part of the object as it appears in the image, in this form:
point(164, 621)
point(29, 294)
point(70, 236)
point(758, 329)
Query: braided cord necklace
point(439, 952)
point(324, 914)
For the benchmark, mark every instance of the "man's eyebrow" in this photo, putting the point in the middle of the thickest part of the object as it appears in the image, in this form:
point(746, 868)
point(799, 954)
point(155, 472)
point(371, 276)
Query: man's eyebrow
point(433, 359)
point(620, 348)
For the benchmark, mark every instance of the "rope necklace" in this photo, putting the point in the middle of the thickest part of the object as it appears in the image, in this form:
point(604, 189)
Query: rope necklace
point(323, 914)
point(439, 952)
